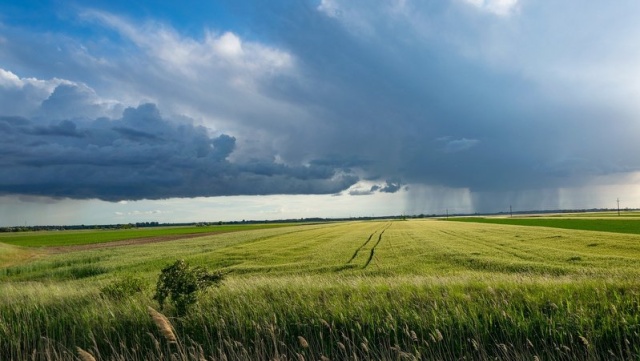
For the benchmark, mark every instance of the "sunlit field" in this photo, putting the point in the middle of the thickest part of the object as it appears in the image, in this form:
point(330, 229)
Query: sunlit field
point(82, 237)
point(393, 290)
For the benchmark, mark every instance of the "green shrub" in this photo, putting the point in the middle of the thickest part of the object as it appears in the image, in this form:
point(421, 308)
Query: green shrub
point(181, 284)
point(124, 287)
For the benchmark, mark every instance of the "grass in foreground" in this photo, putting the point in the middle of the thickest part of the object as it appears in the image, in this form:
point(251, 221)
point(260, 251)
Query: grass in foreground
point(362, 290)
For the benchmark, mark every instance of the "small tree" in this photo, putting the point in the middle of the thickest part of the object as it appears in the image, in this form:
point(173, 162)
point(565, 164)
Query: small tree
point(181, 284)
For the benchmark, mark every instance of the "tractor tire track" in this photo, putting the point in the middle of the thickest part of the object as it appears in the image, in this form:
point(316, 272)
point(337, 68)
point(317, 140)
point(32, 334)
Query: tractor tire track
point(355, 254)
point(373, 249)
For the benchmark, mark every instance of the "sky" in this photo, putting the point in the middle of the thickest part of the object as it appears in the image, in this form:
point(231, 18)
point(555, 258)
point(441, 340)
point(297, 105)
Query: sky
point(117, 111)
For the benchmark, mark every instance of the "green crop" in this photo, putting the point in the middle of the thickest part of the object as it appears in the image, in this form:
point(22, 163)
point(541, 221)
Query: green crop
point(73, 238)
point(625, 225)
point(417, 289)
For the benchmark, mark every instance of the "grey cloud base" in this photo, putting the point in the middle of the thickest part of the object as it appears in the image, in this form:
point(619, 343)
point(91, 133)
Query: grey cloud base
point(142, 156)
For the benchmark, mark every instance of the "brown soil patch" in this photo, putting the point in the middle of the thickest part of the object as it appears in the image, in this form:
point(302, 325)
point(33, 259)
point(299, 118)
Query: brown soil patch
point(129, 242)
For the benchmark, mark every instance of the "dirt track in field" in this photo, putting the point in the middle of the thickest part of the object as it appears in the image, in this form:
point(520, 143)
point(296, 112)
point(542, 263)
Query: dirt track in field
point(129, 242)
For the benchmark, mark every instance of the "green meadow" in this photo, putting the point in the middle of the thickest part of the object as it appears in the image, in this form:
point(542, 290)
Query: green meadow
point(81, 237)
point(375, 290)
point(629, 223)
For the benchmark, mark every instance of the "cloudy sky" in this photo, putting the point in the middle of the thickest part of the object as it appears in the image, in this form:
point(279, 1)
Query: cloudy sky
point(174, 111)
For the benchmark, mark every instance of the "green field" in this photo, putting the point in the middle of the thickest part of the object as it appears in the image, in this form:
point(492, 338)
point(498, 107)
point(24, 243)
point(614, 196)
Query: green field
point(589, 223)
point(80, 237)
point(392, 290)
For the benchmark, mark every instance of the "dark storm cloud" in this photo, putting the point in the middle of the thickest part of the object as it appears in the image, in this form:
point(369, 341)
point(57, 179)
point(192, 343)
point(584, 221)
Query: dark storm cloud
point(398, 90)
point(391, 187)
point(486, 96)
point(65, 128)
point(141, 156)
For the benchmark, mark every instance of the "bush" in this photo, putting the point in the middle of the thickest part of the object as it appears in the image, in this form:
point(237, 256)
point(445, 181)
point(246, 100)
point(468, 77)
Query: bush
point(181, 284)
point(124, 287)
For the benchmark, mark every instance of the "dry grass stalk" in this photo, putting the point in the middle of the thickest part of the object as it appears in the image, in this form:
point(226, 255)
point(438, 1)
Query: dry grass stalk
point(439, 336)
point(84, 355)
point(303, 342)
point(365, 348)
point(585, 342)
point(163, 325)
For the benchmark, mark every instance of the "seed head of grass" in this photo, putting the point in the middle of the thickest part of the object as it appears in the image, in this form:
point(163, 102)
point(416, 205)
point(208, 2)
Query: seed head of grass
point(585, 342)
point(84, 355)
point(303, 342)
point(163, 325)
point(439, 336)
point(474, 343)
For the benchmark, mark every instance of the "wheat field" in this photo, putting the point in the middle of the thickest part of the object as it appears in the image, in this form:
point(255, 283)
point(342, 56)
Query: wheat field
point(392, 290)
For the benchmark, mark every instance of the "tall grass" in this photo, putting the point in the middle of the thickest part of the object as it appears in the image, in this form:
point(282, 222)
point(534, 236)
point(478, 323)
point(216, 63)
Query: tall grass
point(432, 290)
point(340, 319)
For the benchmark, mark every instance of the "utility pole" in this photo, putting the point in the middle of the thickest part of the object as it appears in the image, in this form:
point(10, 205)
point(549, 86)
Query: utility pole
point(510, 211)
point(618, 200)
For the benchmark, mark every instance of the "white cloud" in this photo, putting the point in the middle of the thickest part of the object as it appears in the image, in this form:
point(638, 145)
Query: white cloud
point(9, 79)
point(220, 80)
point(497, 7)
point(223, 53)
point(52, 99)
point(228, 44)
point(23, 96)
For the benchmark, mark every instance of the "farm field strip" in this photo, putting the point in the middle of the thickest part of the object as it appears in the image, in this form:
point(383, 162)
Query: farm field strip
point(307, 250)
point(10, 255)
point(608, 224)
point(624, 214)
point(145, 257)
point(84, 237)
point(404, 247)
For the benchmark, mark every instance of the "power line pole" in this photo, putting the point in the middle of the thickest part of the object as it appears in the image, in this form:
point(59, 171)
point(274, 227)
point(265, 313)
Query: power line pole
point(510, 211)
point(618, 200)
